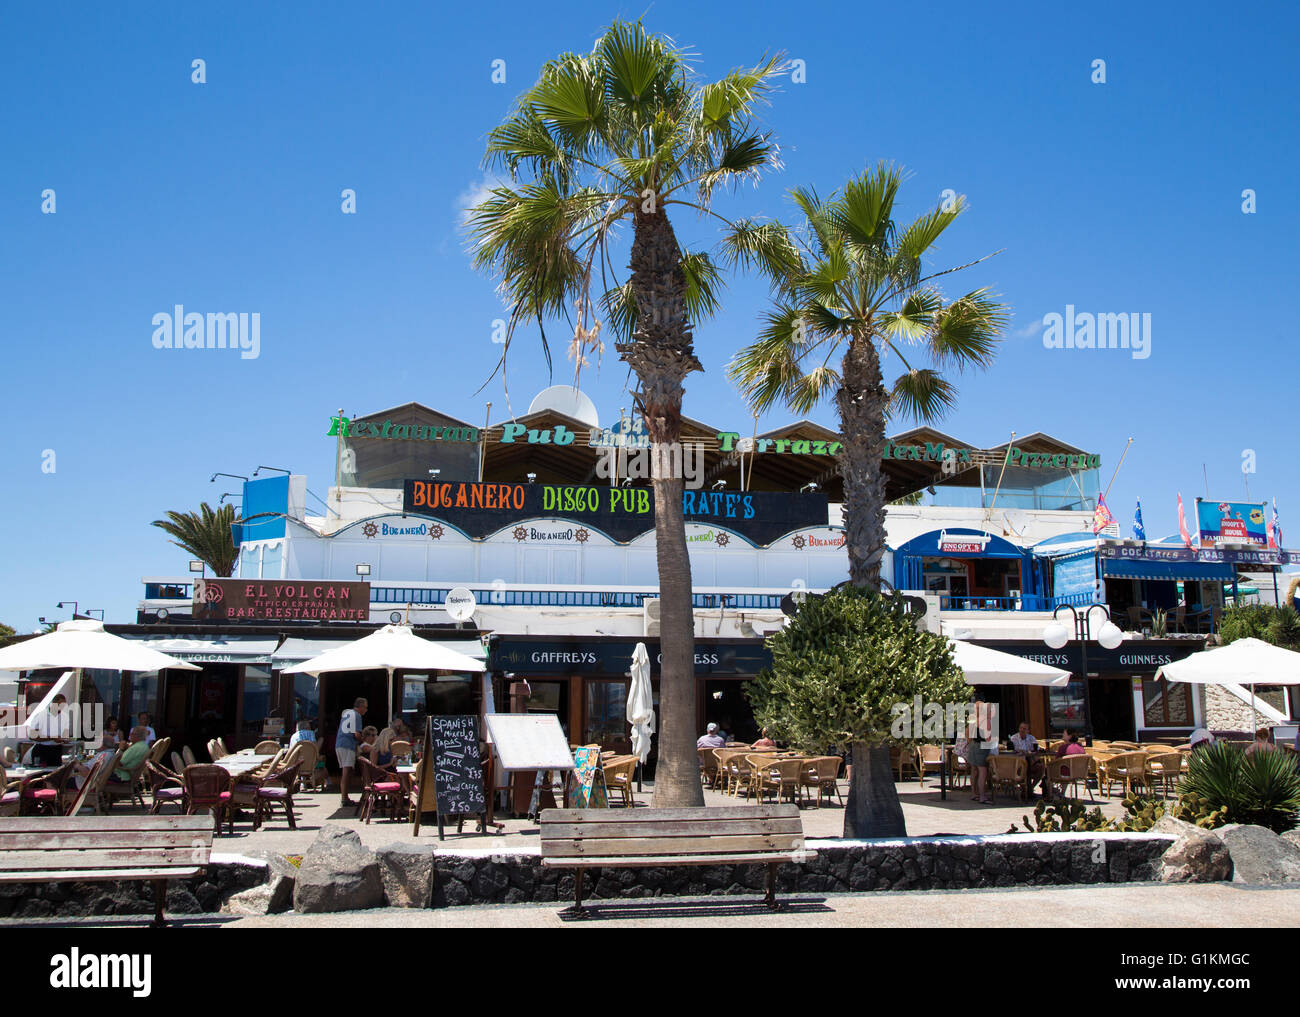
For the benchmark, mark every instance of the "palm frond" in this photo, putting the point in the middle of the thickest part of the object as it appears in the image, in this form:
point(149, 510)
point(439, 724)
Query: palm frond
point(922, 394)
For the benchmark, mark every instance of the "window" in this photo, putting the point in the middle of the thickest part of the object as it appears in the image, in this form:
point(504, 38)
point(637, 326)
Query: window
point(306, 698)
point(1066, 706)
point(257, 699)
point(1166, 703)
point(144, 693)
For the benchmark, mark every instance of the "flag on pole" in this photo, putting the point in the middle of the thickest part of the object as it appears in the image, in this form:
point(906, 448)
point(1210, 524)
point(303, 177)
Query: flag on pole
point(1182, 523)
point(1101, 517)
point(1139, 531)
point(1275, 528)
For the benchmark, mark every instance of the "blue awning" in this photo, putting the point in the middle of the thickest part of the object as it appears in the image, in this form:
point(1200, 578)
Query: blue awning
point(1204, 572)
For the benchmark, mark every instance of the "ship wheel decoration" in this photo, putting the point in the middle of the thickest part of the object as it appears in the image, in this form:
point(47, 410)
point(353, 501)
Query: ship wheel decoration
point(722, 538)
point(436, 531)
point(582, 535)
point(520, 533)
point(370, 529)
point(799, 542)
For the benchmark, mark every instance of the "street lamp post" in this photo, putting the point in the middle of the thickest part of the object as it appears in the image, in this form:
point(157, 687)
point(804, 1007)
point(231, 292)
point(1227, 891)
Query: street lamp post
point(1056, 635)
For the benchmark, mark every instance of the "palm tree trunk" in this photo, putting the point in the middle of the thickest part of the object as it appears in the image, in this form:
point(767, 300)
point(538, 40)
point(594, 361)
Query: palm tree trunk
point(873, 809)
point(662, 354)
point(862, 403)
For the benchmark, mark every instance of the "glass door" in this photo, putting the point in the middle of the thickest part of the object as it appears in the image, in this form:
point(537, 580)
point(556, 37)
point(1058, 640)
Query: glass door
point(605, 722)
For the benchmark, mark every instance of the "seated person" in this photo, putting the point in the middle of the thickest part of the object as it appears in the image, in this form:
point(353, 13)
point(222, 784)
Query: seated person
point(1199, 738)
point(112, 736)
point(764, 742)
point(1023, 741)
point(1263, 742)
point(710, 739)
point(1071, 746)
point(368, 746)
point(396, 731)
point(303, 733)
point(131, 758)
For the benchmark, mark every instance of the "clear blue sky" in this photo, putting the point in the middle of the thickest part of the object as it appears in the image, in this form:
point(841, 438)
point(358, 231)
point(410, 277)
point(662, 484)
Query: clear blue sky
point(225, 196)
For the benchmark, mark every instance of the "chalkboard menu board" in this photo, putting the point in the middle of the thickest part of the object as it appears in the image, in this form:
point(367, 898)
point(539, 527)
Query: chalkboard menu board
point(457, 765)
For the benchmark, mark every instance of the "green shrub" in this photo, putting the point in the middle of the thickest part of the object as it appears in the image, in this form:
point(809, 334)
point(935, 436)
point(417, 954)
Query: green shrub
point(1263, 788)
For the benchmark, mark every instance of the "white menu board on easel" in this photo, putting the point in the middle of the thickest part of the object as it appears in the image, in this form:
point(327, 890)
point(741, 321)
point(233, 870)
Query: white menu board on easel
point(529, 741)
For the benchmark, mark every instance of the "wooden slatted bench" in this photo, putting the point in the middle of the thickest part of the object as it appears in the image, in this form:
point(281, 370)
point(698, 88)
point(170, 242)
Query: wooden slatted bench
point(86, 849)
point(643, 838)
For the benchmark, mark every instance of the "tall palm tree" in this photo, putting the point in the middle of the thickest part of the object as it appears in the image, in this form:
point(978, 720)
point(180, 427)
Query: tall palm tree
point(205, 534)
point(615, 137)
point(850, 282)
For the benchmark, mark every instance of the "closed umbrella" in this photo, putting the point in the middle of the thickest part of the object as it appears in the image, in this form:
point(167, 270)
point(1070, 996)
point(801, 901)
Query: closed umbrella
point(1242, 662)
point(641, 706)
point(392, 648)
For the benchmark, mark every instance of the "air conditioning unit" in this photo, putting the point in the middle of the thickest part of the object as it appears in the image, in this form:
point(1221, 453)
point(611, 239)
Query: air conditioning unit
point(651, 607)
point(928, 619)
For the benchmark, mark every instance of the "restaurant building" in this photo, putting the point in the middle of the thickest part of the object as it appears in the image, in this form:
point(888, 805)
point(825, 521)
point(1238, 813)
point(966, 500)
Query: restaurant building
point(547, 521)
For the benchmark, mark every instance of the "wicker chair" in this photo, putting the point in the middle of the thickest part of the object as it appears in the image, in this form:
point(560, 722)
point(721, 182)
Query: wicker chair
point(165, 788)
point(1125, 769)
point(75, 797)
point(307, 754)
point(929, 759)
point(158, 751)
point(10, 757)
point(96, 794)
point(42, 796)
point(1005, 771)
point(781, 777)
point(900, 760)
point(958, 767)
point(399, 748)
point(221, 744)
point(619, 778)
point(1164, 768)
point(381, 788)
point(723, 756)
point(9, 794)
point(277, 790)
point(215, 751)
point(208, 787)
point(131, 789)
point(1072, 770)
point(708, 766)
point(740, 774)
point(822, 773)
point(266, 748)
point(178, 762)
point(188, 757)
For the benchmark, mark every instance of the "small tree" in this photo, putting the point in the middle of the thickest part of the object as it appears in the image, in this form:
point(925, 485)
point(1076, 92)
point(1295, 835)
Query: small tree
point(206, 535)
point(840, 669)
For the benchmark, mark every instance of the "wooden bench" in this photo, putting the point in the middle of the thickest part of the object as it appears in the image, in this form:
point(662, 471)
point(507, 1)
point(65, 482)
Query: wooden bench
point(661, 838)
point(98, 849)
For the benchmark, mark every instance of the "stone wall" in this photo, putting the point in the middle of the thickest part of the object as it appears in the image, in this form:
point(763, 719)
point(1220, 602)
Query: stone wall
point(929, 863)
point(196, 895)
point(1225, 712)
point(461, 877)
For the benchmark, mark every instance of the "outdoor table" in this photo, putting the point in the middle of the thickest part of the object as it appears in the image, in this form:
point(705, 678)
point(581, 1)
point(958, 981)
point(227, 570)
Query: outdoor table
point(24, 772)
point(241, 763)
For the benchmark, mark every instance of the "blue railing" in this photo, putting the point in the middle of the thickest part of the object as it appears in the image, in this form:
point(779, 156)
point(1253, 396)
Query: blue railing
point(1025, 602)
point(1073, 600)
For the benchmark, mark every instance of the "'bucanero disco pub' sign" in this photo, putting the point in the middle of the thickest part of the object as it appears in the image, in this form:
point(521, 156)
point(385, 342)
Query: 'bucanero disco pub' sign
point(621, 512)
point(233, 599)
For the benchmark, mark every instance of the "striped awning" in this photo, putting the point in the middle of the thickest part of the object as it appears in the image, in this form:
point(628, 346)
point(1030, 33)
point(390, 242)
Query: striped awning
point(1189, 571)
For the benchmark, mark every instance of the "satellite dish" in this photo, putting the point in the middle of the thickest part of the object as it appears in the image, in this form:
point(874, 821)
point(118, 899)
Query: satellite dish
point(568, 400)
point(460, 604)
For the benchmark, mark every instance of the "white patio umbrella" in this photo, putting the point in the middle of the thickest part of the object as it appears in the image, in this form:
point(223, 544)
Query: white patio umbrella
point(392, 648)
point(985, 666)
point(640, 703)
point(1242, 662)
point(82, 643)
